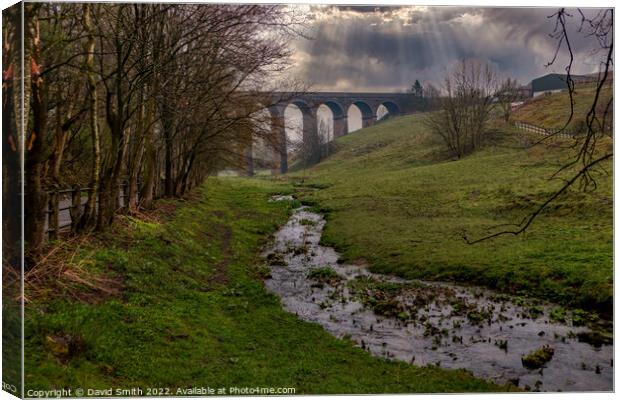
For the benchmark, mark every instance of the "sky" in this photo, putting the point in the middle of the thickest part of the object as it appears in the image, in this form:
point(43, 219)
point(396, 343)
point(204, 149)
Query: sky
point(369, 48)
point(387, 48)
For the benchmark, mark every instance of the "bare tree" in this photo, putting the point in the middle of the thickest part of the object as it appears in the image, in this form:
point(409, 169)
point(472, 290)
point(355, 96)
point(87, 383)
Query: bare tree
point(35, 101)
point(310, 150)
point(507, 94)
point(430, 96)
point(88, 219)
point(325, 134)
point(465, 108)
point(430, 91)
point(133, 93)
point(314, 147)
point(11, 133)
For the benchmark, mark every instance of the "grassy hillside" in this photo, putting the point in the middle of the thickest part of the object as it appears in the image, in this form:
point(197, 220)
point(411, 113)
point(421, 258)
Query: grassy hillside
point(554, 110)
point(182, 305)
point(395, 201)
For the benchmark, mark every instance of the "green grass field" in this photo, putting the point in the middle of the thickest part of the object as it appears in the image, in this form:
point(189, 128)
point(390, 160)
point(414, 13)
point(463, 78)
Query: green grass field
point(186, 306)
point(192, 311)
point(394, 200)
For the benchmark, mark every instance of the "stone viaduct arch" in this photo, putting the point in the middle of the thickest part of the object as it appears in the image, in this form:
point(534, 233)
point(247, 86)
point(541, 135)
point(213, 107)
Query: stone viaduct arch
point(338, 103)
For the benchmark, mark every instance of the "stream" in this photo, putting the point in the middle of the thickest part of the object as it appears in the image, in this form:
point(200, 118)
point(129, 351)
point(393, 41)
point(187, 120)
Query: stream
point(444, 324)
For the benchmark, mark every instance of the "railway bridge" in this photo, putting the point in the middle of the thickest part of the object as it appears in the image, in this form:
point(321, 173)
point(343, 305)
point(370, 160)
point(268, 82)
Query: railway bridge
point(338, 103)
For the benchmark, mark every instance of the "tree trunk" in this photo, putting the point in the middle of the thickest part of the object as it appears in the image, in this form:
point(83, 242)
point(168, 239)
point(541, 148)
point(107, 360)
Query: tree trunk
point(150, 164)
point(137, 155)
point(105, 204)
point(168, 165)
point(167, 131)
point(131, 200)
point(88, 219)
point(35, 197)
point(11, 168)
point(148, 188)
point(188, 169)
point(116, 97)
point(109, 186)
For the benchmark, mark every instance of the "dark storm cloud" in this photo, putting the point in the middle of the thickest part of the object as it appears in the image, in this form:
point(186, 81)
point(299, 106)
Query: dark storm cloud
point(360, 48)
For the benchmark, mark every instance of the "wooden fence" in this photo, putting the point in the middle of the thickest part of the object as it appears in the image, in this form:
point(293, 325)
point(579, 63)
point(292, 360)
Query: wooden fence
point(64, 208)
point(524, 126)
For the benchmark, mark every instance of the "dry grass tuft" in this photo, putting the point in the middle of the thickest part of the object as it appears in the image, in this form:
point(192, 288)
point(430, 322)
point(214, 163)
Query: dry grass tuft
point(60, 272)
point(163, 210)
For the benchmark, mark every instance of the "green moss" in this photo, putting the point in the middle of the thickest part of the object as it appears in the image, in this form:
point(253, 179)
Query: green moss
point(582, 318)
point(476, 317)
point(535, 312)
point(276, 259)
point(324, 275)
point(596, 338)
point(390, 308)
point(538, 358)
point(558, 314)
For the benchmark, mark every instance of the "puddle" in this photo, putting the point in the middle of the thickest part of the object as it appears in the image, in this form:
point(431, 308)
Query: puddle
point(424, 323)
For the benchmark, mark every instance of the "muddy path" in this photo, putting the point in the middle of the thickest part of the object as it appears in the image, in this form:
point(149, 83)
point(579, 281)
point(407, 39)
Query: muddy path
point(530, 343)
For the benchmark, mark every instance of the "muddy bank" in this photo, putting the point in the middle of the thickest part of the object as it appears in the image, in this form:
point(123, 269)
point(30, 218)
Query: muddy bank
point(535, 345)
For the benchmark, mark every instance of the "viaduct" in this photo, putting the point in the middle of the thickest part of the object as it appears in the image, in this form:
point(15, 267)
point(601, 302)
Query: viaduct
point(338, 103)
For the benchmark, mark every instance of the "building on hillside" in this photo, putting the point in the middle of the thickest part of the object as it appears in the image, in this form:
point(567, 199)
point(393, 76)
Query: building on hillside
point(550, 83)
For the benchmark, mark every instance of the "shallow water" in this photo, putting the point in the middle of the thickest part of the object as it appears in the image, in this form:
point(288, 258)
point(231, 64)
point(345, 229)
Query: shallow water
point(444, 324)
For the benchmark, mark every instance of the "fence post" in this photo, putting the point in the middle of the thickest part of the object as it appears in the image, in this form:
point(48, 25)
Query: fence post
point(52, 206)
point(76, 207)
